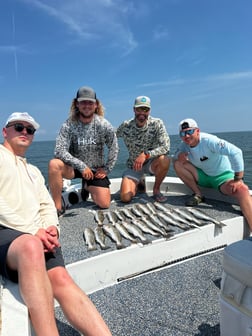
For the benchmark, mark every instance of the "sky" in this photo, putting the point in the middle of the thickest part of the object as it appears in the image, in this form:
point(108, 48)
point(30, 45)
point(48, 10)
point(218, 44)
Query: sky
point(191, 57)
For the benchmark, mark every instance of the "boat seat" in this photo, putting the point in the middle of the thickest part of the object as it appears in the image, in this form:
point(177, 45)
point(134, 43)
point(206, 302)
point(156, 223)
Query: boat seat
point(12, 305)
point(236, 285)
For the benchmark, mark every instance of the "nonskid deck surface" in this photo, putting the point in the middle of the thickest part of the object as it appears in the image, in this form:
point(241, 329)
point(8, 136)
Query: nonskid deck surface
point(179, 300)
point(182, 300)
point(82, 215)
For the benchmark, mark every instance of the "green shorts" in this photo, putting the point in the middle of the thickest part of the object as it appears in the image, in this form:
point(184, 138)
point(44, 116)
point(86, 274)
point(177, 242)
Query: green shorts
point(215, 182)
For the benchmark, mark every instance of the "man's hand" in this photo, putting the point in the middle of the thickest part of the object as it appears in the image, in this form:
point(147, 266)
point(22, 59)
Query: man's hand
point(87, 174)
point(138, 164)
point(49, 238)
point(183, 157)
point(100, 173)
point(235, 184)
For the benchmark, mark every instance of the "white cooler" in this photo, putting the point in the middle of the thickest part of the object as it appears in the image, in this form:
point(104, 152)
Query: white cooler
point(236, 290)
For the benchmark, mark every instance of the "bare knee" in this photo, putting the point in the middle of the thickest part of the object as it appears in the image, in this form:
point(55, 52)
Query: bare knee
point(25, 248)
point(242, 191)
point(101, 196)
point(103, 204)
point(161, 164)
point(55, 165)
point(126, 197)
point(165, 161)
point(60, 280)
point(177, 165)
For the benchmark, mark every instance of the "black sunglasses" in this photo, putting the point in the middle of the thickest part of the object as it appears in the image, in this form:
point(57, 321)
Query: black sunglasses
point(142, 109)
point(20, 127)
point(187, 132)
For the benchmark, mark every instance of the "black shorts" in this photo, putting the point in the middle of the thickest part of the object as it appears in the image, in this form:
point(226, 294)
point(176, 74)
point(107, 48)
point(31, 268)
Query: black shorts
point(7, 236)
point(104, 183)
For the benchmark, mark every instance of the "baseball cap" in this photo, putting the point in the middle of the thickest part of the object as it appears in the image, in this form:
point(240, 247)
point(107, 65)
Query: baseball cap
point(22, 116)
point(86, 93)
point(142, 101)
point(187, 123)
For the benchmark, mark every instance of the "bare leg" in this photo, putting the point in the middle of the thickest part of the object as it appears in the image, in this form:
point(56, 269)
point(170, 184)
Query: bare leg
point(26, 255)
point(188, 174)
point(159, 167)
point(101, 196)
point(128, 189)
point(77, 307)
point(57, 170)
point(241, 193)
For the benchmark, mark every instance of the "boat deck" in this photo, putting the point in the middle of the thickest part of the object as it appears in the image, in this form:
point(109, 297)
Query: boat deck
point(168, 287)
point(178, 299)
point(175, 301)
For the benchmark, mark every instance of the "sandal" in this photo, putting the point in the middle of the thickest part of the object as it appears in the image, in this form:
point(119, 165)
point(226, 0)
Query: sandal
point(160, 198)
point(195, 200)
point(60, 212)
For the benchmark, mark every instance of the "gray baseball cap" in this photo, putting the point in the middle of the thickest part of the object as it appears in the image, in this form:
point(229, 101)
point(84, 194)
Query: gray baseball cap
point(86, 93)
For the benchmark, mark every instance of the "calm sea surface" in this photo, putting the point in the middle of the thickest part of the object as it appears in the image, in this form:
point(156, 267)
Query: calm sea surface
point(41, 152)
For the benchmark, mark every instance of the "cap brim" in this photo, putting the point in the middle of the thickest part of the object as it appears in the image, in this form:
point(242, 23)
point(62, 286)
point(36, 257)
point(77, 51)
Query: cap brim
point(142, 105)
point(33, 123)
point(86, 99)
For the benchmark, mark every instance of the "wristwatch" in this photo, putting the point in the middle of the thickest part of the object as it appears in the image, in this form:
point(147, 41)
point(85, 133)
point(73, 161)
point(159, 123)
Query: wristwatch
point(147, 155)
point(238, 178)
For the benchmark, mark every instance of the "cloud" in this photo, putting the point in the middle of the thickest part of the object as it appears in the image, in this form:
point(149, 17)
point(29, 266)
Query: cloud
point(217, 78)
point(231, 76)
point(161, 33)
point(103, 20)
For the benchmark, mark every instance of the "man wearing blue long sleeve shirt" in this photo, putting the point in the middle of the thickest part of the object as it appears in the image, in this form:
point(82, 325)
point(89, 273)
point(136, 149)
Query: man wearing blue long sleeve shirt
point(204, 160)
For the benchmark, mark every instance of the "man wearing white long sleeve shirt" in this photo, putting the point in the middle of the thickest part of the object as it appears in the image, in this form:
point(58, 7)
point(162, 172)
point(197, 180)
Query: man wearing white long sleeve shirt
point(30, 252)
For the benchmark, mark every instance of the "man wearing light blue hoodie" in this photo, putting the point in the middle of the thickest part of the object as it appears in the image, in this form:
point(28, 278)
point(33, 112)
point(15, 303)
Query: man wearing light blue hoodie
point(204, 160)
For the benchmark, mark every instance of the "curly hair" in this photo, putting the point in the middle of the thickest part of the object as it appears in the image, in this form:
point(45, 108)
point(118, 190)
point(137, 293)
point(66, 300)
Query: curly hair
point(74, 113)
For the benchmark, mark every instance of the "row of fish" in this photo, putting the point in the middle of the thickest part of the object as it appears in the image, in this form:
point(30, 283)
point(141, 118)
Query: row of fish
point(132, 223)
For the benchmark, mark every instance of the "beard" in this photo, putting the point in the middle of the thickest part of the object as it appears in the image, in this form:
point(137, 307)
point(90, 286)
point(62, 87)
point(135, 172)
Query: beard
point(87, 115)
point(141, 119)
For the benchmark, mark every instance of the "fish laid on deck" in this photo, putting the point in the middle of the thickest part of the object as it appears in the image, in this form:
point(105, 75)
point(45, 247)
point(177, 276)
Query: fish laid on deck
point(136, 232)
point(112, 232)
point(121, 228)
point(100, 237)
point(98, 216)
point(201, 215)
point(157, 221)
point(118, 214)
point(127, 213)
point(136, 211)
point(154, 227)
point(89, 237)
point(187, 215)
point(109, 216)
point(168, 219)
point(145, 227)
point(145, 210)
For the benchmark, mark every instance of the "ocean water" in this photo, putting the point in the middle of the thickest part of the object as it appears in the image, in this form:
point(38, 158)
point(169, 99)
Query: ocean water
point(41, 152)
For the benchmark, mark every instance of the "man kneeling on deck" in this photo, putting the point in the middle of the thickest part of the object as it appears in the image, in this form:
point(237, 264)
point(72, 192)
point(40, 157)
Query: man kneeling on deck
point(30, 252)
point(148, 145)
point(205, 160)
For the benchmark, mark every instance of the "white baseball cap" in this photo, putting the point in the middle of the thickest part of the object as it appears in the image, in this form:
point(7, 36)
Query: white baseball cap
point(22, 116)
point(142, 101)
point(187, 123)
